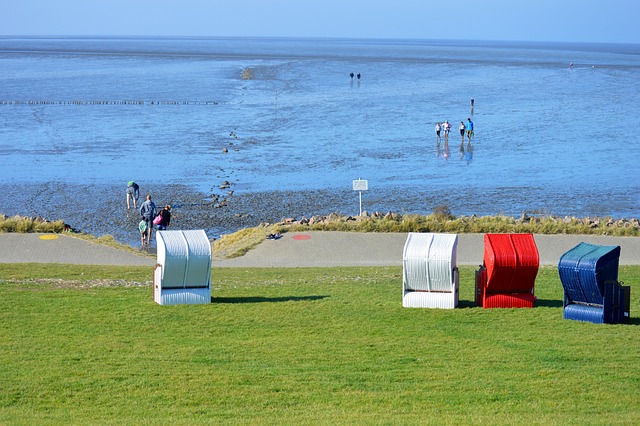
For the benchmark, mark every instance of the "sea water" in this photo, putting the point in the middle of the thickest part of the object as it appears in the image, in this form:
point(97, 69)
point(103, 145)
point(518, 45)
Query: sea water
point(548, 134)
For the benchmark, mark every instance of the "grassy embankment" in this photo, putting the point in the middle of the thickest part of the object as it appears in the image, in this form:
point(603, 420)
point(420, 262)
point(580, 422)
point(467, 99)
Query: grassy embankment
point(87, 345)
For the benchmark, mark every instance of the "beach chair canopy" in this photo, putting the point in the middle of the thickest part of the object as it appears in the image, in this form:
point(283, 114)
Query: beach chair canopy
point(185, 257)
point(510, 266)
point(183, 269)
point(589, 277)
point(430, 275)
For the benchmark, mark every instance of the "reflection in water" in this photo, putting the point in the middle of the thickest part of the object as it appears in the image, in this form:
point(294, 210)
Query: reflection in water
point(444, 151)
point(466, 153)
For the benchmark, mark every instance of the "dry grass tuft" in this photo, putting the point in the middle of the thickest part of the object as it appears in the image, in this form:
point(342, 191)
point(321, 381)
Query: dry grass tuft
point(240, 242)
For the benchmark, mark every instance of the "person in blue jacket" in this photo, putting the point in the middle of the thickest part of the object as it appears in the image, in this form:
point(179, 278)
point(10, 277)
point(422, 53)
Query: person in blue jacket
point(469, 129)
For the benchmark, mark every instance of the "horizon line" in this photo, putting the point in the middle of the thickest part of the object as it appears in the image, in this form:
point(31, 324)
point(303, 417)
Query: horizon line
point(281, 37)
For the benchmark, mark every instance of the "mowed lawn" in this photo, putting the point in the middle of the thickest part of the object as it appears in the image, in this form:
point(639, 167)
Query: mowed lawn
point(87, 345)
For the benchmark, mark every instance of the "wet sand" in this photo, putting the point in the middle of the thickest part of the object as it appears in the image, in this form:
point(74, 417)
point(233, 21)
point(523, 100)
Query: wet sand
point(101, 209)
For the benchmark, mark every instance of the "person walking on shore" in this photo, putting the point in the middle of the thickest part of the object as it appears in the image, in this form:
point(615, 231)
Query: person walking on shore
point(142, 227)
point(469, 129)
point(165, 218)
point(148, 213)
point(438, 129)
point(133, 193)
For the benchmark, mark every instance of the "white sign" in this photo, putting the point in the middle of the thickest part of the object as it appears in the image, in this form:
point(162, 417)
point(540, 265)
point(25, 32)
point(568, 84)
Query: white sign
point(360, 185)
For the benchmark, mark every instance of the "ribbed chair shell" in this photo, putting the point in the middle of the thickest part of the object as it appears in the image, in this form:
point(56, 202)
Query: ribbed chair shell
point(183, 270)
point(589, 277)
point(507, 277)
point(430, 274)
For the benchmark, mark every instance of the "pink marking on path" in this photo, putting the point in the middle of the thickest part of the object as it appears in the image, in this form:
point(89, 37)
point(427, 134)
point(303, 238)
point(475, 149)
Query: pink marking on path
point(301, 237)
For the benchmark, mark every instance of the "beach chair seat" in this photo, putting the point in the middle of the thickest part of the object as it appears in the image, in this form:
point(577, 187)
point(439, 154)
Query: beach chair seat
point(592, 293)
point(182, 274)
point(430, 275)
point(507, 276)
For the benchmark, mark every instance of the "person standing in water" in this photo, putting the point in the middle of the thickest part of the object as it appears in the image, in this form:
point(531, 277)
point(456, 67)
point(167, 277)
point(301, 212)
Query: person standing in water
point(469, 129)
point(438, 129)
point(462, 129)
point(447, 129)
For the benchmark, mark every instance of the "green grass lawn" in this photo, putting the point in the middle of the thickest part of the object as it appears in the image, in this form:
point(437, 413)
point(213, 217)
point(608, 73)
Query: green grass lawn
point(302, 346)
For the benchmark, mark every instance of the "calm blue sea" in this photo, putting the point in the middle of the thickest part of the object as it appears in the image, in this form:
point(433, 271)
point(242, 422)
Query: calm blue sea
point(162, 110)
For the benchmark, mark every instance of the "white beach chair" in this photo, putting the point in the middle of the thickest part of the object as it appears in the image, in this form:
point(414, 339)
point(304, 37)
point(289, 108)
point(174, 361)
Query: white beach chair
point(182, 274)
point(430, 274)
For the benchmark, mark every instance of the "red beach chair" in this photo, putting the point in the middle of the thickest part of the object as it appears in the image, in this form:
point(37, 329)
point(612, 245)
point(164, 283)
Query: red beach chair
point(508, 274)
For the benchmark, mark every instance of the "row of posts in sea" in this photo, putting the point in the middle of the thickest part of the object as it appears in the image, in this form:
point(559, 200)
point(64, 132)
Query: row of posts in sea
point(107, 102)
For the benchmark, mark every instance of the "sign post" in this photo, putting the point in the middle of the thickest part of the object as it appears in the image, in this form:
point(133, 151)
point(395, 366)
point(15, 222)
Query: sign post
point(360, 185)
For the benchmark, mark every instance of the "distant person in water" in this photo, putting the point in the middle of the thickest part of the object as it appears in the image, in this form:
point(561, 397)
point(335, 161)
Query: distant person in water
point(469, 129)
point(438, 130)
point(462, 129)
point(351, 75)
point(133, 193)
point(447, 128)
point(358, 76)
point(472, 102)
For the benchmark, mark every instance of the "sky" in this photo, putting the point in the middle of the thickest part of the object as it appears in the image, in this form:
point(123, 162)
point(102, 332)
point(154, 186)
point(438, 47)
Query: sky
point(610, 21)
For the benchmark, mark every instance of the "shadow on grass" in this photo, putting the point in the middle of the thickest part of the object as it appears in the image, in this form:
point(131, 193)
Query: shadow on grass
point(549, 303)
point(265, 299)
point(462, 304)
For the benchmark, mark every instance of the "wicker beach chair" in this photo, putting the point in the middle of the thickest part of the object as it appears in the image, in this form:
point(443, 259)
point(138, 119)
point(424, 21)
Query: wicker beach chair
point(182, 274)
point(589, 276)
point(430, 274)
point(507, 276)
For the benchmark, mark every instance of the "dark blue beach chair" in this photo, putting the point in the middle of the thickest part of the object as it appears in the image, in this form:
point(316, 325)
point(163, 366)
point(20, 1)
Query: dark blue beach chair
point(589, 275)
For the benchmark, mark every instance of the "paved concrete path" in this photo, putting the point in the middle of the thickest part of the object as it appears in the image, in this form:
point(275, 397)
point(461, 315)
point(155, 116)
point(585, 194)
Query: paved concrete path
point(56, 248)
point(380, 249)
point(299, 249)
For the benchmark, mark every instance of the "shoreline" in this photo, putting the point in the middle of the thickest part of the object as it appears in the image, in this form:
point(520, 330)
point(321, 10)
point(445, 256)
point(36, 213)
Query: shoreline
point(101, 209)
